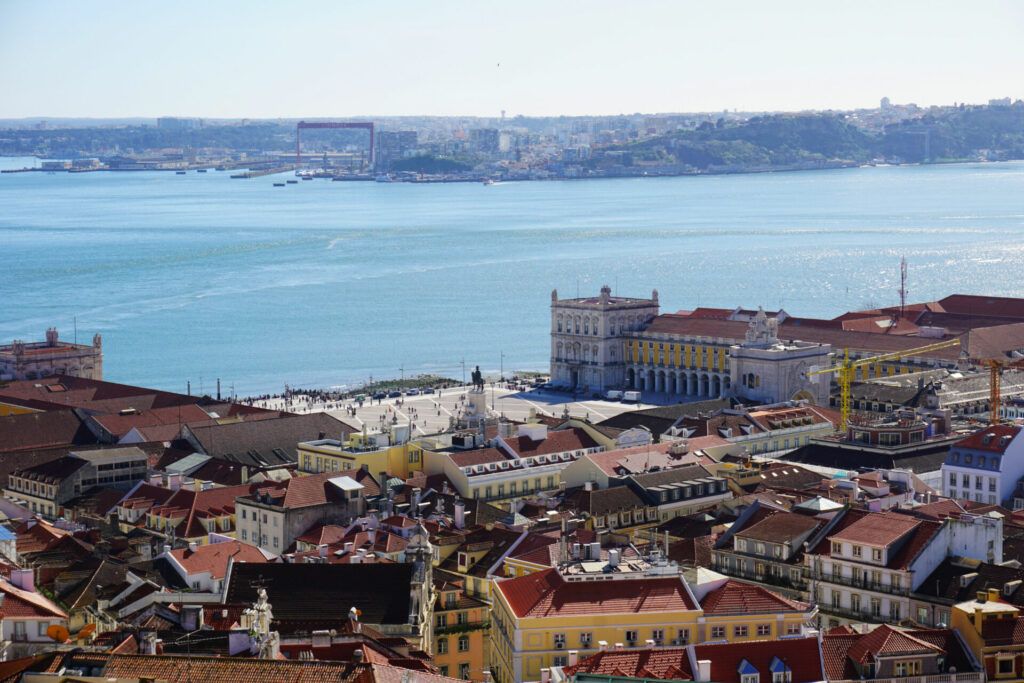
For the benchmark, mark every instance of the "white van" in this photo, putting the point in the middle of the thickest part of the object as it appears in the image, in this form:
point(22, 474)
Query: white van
point(613, 395)
point(631, 397)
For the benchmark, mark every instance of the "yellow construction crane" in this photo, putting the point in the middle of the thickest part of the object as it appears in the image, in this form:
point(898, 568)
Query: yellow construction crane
point(846, 369)
point(995, 381)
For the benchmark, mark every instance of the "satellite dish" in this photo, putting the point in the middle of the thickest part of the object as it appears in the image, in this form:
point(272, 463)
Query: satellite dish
point(58, 633)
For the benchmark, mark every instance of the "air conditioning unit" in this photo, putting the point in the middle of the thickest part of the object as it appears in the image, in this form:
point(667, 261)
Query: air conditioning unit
point(559, 645)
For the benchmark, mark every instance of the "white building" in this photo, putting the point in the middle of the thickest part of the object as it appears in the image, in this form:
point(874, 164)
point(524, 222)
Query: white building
point(586, 338)
point(865, 565)
point(985, 466)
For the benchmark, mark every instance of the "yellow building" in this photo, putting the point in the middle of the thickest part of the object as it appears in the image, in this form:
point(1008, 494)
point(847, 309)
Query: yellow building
point(735, 611)
point(539, 618)
point(461, 627)
point(991, 629)
point(331, 455)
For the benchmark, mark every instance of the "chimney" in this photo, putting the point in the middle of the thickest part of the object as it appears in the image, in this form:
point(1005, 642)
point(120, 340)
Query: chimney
point(349, 545)
point(192, 547)
point(595, 551)
point(321, 638)
point(574, 657)
point(24, 579)
point(703, 670)
point(602, 645)
point(545, 675)
point(588, 486)
point(167, 549)
point(460, 515)
point(993, 594)
point(613, 558)
point(323, 549)
point(981, 596)
point(415, 502)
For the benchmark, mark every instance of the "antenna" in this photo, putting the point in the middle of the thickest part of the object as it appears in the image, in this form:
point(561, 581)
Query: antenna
point(903, 285)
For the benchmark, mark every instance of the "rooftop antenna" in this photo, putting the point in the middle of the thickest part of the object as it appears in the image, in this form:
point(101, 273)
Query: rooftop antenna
point(76, 329)
point(903, 285)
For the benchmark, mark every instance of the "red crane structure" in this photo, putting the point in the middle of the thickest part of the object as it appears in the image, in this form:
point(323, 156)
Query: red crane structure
point(366, 125)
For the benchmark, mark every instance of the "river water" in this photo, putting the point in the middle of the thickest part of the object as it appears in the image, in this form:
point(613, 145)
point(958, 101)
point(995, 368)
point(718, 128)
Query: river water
point(325, 283)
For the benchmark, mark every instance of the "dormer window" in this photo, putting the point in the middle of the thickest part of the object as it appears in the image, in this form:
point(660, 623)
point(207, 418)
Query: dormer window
point(747, 672)
point(781, 673)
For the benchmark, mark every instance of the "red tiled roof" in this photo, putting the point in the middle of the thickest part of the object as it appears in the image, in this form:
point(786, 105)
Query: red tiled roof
point(690, 326)
point(737, 597)
point(119, 425)
point(994, 435)
point(214, 557)
point(637, 458)
point(886, 640)
point(879, 529)
point(480, 456)
point(556, 442)
point(20, 603)
point(843, 647)
point(546, 593)
point(801, 655)
point(921, 535)
point(322, 534)
point(660, 664)
point(780, 527)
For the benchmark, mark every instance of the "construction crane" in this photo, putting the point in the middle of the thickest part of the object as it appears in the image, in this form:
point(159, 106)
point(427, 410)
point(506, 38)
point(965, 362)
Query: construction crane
point(846, 370)
point(995, 382)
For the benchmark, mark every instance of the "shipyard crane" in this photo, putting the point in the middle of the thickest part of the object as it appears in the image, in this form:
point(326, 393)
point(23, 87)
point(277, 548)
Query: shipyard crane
point(846, 369)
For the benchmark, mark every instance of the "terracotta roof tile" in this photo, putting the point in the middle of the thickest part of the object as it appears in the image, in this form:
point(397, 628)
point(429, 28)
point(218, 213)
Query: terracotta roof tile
point(214, 557)
point(666, 663)
point(801, 655)
point(546, 593)
point(556, 442)
point(737, 597)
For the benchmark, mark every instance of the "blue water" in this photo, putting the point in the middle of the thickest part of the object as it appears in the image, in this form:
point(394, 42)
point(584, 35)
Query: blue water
point(320, 284)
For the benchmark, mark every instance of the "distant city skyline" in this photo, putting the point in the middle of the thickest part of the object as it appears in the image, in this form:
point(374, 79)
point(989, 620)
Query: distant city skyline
point(317, 59)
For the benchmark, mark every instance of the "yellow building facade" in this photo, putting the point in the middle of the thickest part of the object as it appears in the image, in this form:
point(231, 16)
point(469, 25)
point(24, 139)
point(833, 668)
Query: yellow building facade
point(331, 455)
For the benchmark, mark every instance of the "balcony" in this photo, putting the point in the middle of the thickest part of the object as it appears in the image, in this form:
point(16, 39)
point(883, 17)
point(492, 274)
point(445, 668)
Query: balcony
point(970, 677)
point(875, 586)
point(782, 581)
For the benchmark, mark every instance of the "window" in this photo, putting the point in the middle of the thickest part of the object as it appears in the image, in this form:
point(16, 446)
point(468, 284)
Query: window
point(463, 643)
point(896, 581)
point(559, 660)
point(952, 479)
point(876, 607)
point(585, 639)
point(462, 618)
point(749, 678)
point(909, 668)
point(836, 597)
point(464, 671)
point(1005, 666)
point(857, 551)
point(717, 632)
point(740, 632)
point(894, 611)
point(792, 629)
point(559, 641)
point(632, 636)
point(440, 620)
point(42, 626)
point(658, 636)
point(442, 646)
point(837, 571)
point(443, 670)
point(837, 548)
point(764, 629)
point(245, 535)
point(855, 602)
point(243, 513)
point(876, 554)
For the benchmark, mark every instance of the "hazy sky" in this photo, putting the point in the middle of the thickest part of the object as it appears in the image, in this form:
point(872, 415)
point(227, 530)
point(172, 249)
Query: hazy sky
point(220, 58)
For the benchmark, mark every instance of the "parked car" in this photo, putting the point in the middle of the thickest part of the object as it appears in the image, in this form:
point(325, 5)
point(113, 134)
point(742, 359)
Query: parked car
point(379, 395)
point(412, 392)
point(394, 394)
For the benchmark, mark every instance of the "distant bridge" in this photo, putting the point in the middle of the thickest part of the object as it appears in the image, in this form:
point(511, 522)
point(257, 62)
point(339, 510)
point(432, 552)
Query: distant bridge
point(301, 125)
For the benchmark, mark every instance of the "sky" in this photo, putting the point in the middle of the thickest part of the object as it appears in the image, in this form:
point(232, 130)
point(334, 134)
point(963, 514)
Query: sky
point(230, 59)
